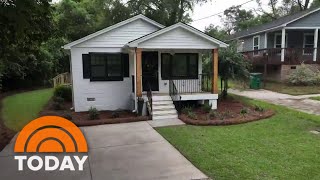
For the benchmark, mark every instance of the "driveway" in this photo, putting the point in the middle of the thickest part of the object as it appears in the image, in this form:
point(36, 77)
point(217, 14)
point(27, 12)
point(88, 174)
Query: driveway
point(300, 103)
point(121, 151)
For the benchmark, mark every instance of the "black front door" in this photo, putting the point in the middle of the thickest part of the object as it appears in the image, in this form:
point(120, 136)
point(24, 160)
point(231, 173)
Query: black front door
point(150, 71)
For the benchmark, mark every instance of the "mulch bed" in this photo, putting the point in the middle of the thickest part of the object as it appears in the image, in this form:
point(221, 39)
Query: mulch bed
point(228, 113)
point(82, 118)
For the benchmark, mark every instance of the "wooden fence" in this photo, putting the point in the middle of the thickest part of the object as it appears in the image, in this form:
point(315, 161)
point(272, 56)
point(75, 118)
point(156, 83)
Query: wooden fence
point(62, 79)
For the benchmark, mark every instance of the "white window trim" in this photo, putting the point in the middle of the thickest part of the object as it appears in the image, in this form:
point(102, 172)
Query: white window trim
point(304, 43)
point(275, 38)
point(253, 46)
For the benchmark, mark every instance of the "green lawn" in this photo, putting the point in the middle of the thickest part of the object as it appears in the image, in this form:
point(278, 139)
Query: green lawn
point(277, 148)
point(21, 108)
point(292, 90)
point(316, 98)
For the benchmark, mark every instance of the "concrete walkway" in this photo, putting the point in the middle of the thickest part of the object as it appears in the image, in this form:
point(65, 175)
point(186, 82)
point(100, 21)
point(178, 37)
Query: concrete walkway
point(120, 151)
point(301, 103)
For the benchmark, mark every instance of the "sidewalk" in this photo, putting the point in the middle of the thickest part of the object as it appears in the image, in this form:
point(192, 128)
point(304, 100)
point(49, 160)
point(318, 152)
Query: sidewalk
point(301, 103)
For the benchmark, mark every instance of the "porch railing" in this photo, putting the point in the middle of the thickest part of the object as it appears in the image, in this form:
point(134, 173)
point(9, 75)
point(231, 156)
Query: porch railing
point(61, 79)
point(175, 96)
point(291, 56)
point(149, 95)
point(203, 83)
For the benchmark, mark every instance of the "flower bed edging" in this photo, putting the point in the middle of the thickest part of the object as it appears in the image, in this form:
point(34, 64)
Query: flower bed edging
point(110, 121)
point(231, 121)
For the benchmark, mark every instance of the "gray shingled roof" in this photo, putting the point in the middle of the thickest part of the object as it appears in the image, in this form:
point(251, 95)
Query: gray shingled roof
point(272, 25)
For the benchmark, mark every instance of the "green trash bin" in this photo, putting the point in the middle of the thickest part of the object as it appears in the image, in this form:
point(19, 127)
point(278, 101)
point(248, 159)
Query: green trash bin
point(255, 80)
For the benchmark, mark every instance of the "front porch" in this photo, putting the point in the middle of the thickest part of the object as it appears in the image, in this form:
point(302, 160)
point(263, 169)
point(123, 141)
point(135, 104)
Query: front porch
point(289, 46)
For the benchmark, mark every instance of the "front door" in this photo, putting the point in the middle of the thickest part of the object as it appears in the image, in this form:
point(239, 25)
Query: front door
point(150, 71)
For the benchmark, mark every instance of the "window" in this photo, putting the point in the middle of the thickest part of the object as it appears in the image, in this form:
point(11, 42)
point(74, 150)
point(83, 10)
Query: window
point(179, 66)
point(278, 40)
point(105, 67)
point(256, 45)
point(240, 45)
point(308, 44)
point(125, 61)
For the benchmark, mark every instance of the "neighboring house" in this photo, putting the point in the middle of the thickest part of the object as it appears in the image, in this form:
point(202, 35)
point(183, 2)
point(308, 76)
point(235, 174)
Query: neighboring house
point(139, 57)
point(278, 47)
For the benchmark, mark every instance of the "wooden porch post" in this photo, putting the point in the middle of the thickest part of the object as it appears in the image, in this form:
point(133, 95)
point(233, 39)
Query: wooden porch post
point(283, 44)
point(139, 72)
point(315, 50)
point(215, 55)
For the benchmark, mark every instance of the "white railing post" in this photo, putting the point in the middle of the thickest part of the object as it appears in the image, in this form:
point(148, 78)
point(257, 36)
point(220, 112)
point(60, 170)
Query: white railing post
point(283, 43)
point(316, 33)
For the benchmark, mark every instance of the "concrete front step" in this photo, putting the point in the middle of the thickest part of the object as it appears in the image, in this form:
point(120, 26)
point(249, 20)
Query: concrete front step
point(161, 98)
point(164, 112)
point(161, 117)
point(165, 106)
point(162, 102)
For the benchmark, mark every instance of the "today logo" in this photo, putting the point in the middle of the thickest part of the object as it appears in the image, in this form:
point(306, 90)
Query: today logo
point(50, 134)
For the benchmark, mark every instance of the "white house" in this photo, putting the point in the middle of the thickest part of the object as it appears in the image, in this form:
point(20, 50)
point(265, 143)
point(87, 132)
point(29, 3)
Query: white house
point(139, 57)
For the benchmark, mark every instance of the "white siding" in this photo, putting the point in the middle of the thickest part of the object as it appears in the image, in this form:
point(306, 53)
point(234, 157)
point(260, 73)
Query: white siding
point(178, 38)
point(121, 36)
point(109, 95)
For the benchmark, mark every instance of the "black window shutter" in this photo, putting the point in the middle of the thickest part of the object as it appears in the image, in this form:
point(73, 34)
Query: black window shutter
point(125, 62)
point(86, 66)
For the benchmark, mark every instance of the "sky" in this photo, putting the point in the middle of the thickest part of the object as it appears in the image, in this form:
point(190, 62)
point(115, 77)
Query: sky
point(214, 7)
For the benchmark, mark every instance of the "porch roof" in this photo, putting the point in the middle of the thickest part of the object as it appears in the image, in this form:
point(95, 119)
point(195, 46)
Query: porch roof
point(177, 36)
point(273, 25)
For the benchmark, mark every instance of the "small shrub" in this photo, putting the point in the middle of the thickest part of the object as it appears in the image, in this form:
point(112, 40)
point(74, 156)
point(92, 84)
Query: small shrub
point(186, 110)
point(212, 114)
point(57, 106)
point(244, 111)
point(258, 108)
point(191, 115)
point(58, 99)
point(93, 113)
point(64, 92)
point(224, 115)
point(115, 115)
point(303, 75)
point(206, 107)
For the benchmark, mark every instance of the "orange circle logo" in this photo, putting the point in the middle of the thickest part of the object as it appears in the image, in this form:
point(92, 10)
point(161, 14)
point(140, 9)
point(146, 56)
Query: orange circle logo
point(51, 134)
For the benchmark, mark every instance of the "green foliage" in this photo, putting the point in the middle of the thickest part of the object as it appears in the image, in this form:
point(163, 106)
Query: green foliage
point(303, 75)
point(115, 115)
point(185, 110)
point(191, 115)
point(212, 114)
point(244, 111)
point(93, 113)
point(64, 92)
point(58, 103)
point(258, 108)
point(206, 107)
point(232, 65)
point(25, 24)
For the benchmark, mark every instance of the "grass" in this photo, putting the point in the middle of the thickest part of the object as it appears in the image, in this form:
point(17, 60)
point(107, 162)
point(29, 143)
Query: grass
point(316, 98)
point(292, 90)
point(280, 147)
point(21, 108)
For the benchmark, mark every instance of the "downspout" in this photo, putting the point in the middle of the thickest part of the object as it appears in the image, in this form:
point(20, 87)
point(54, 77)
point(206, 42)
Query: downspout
point(135, 80)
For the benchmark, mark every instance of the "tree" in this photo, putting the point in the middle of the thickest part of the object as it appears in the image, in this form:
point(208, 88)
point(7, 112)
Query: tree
point(25, 24)
point(216, 32)
point(166, 12)
point(236, 19)
point(232, 65)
